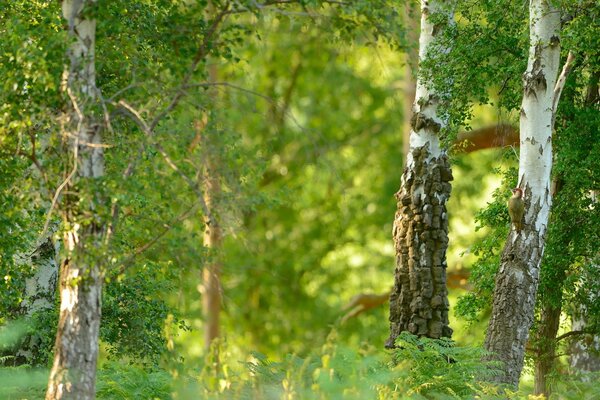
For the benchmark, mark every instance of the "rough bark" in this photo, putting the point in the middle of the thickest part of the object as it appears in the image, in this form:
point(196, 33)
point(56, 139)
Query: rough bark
point(73, 374)
point(419, 298)
point(517, 278)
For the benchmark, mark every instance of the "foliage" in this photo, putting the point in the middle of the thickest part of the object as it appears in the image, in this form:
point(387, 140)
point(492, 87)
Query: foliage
point(418, 368)
point(305, 127)
point(126, 381)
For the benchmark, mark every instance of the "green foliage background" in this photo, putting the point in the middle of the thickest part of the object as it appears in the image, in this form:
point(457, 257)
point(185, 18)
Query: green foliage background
point(307, 131)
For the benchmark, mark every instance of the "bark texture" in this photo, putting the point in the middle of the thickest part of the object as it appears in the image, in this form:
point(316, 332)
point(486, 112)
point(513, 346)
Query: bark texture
point(517, 278)
point(73, 374)
point(419, 298)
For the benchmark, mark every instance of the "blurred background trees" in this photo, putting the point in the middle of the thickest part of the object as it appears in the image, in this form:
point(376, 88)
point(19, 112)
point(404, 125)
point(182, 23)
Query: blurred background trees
point(307, 129)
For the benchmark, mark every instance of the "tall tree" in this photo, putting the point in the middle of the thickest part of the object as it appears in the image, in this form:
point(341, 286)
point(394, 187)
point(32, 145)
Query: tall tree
point(517, 277)
point(419, 298)
point(213, 235)
point(73, 374)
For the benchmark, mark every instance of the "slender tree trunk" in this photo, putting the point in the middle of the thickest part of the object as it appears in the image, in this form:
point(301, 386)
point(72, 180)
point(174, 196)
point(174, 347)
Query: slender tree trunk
point(517, 278)
point(211, 275)
point(419, 298)
point(73, 374)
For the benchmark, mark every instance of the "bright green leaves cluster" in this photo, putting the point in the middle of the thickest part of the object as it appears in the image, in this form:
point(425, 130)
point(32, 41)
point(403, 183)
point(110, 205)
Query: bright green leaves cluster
point(422, 368)
point(478, 58)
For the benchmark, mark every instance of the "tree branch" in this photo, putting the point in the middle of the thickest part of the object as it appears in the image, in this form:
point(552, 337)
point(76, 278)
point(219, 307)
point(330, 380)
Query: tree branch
point(569, 334)
point(560, 83)
point(200, 54)
point(166, 229)
point(137, 118)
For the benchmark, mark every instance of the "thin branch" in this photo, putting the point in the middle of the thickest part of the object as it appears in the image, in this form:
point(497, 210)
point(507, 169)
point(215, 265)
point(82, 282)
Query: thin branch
point(137, 118)
point(166, 229)
point(569, 334)
point(200, 55)
point(75, 157)
point(560, 83)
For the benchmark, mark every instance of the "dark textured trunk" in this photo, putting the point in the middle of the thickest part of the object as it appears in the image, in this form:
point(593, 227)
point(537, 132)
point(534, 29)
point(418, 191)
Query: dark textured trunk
point(419, 298)
point(545, 348)
point(514, 302)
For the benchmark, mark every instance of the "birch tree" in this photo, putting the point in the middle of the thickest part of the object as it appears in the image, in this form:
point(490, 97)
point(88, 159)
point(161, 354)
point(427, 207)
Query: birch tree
point(73, 374)
point(517, 279)
point(419, 298)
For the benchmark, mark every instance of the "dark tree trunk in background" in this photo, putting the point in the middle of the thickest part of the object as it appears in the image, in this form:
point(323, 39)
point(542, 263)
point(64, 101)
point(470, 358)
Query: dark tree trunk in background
point(419, 298)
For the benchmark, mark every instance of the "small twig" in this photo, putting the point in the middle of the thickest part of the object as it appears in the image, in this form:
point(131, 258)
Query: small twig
point(166, 229)
point(200, 54)
point(75, 158)
point(137, 118)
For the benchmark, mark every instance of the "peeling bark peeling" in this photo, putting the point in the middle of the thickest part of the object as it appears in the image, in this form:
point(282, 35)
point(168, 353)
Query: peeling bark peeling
point(73, 374)
point(419, 298)
point(517, 278)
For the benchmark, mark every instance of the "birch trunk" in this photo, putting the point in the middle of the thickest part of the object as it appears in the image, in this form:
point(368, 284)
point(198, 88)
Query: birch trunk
point(517, 278)
point(585, 352)
point(40, 292)
point(73, 374)
point(419, 298)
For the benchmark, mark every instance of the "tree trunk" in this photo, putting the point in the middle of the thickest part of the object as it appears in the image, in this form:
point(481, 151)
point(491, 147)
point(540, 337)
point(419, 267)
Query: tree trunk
point(211, 275)
point(40, 292)
point(73, 374)
point(419, 298)
point(517, 278)
point(584, 352)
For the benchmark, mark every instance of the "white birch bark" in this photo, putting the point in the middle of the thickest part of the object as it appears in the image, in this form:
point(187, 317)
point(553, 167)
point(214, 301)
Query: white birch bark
point(419, 298)
point(40, 292)
point(517, 278)
point(73, 374)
